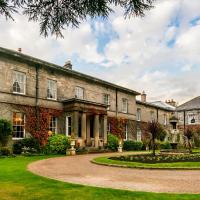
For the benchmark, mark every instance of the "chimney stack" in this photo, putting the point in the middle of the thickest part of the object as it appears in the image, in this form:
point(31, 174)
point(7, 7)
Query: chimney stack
point(68, 65)
point(143, 97)
point(19, 50)
point(171, 102)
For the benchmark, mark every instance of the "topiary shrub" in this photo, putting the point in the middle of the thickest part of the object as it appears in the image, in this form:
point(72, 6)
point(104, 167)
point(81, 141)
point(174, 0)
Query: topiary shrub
point(58, 143)
point(113, 142)
point(5, 151)
point(131, 145)
point(5, 131)
point(165, 145)
point(26, 143)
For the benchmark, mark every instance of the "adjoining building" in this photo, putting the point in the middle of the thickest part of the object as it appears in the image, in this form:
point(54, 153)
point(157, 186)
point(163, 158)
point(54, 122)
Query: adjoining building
point(78, 105)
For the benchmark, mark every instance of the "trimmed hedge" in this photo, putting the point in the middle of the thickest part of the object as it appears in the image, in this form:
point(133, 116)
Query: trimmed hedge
point(165, 145)
point(132, 145)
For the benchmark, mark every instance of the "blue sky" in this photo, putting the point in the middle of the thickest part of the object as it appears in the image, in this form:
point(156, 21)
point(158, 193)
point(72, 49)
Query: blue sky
point(158, 53)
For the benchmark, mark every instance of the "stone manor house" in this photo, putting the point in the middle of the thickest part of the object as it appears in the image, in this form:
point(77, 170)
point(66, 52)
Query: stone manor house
point(88, 104)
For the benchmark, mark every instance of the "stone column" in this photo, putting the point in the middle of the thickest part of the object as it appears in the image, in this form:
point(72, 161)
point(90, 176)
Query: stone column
point(83, 128)
point(96, 131)
point(75, 124)
point(105, 134)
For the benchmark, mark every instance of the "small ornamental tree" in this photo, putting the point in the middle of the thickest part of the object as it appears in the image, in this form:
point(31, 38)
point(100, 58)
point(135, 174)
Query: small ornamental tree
point(5, 131)
point(188, 136)
point(154, 129)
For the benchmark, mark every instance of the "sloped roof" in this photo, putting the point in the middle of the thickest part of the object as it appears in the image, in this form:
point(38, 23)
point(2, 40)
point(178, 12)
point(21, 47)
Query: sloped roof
point(163, 105)
point(32, 60)
point(158, 104)
point(193, 104)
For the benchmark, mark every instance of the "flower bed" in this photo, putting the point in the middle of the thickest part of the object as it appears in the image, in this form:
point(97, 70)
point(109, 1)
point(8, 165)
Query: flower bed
point(148, 158)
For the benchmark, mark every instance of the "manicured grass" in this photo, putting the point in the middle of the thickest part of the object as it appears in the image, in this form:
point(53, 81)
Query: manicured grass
point(16, 183)
point(175, 165)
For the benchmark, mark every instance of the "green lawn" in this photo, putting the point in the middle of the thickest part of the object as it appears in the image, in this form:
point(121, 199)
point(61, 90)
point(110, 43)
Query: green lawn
point(176, 165)
point(17, 183)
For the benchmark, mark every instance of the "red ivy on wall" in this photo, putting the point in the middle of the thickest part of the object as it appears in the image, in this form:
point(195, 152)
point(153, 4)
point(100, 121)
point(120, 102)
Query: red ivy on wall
point(117, 126)
point(38, 124)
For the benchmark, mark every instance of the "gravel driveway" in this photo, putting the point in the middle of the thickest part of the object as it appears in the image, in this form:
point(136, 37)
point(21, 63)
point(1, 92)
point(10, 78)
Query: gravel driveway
point(79, 169)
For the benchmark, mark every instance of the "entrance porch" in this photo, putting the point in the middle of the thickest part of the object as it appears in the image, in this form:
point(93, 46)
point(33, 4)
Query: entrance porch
point(89, 122)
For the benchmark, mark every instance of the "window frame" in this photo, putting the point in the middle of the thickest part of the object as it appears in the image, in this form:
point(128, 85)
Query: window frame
point(24, 83)
point(139, 132)
point(126, 107)
point(24, 130)
point(106, 100)
point(67, 125)
point(126, 132)
point(78, 89)
point(56, 124)
point(49, 89)
point(138, 114)
point(165, 120)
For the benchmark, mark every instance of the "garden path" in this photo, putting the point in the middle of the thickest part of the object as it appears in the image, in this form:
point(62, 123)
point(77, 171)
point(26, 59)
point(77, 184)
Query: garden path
point(79, 169)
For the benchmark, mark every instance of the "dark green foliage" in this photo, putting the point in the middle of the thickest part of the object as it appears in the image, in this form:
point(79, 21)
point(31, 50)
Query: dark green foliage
point(5, 131)
point(165, 145)
point(132, 145)
point(148, 158)
point(58, 144)
point(53, 16)
point(5, 151)
point(26, 143)
point(113, 142)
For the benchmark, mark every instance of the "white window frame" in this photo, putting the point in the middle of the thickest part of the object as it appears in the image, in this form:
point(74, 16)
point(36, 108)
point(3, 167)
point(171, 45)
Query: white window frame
point(190, 116)
point(56, 124)
point(16, 75)
point(52, 91)
point(79, 92)
point(152, 113)
point(24, 132)
point(67, 125)
point(125, 105)
point(165, 120)
point(126, 132)
point(108, 127)
point(139, 135)
point(138, 114)
point(106, 100)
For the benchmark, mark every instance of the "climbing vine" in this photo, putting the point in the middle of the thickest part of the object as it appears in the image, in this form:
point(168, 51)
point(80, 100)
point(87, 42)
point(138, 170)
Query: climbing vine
point(38, 124)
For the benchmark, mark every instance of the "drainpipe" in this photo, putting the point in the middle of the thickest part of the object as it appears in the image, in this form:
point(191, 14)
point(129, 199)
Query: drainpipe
point(37, 98)
point(157, 114)
point(116, 102)
point(184, 120)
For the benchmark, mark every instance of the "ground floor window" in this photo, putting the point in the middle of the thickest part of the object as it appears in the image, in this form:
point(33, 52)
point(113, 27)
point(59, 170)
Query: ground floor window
point(68, 125)
point(18, 125)
point(108, 127)
point(139, 135)
point(53, 124)
point(126, 132)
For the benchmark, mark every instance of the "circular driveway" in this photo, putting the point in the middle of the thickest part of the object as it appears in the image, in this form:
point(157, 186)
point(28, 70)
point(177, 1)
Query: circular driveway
point(79, 169)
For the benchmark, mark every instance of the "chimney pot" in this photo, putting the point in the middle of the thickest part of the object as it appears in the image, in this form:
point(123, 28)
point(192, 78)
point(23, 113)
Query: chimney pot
point(20, 50)
point(68, 65)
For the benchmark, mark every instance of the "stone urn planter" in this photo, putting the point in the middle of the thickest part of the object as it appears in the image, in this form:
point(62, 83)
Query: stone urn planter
point(120, 147)
point(72, 150)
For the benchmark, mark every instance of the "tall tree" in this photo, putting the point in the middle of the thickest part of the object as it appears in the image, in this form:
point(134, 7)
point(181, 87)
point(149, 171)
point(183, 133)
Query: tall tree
point(54, 15)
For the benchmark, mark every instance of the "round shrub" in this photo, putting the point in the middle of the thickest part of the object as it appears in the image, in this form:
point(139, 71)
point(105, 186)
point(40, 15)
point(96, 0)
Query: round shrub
point(27, 143)
point(58, 144)
point(113, 142)
point(5, 131)
point(131, 145)
point(165, 145)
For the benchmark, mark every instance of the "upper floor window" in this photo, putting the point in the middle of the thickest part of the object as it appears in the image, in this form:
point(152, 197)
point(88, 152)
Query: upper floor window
point(152, 115)
point(138, 114)
point(19, 82)
point(79, 92)
point(165, 119)
point(53, 124)
point(52, 89)
point(106, 100)
point(18, 125)
point(124, 105)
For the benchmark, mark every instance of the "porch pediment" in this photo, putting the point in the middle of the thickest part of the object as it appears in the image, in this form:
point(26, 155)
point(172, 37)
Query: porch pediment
point(82, 105)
